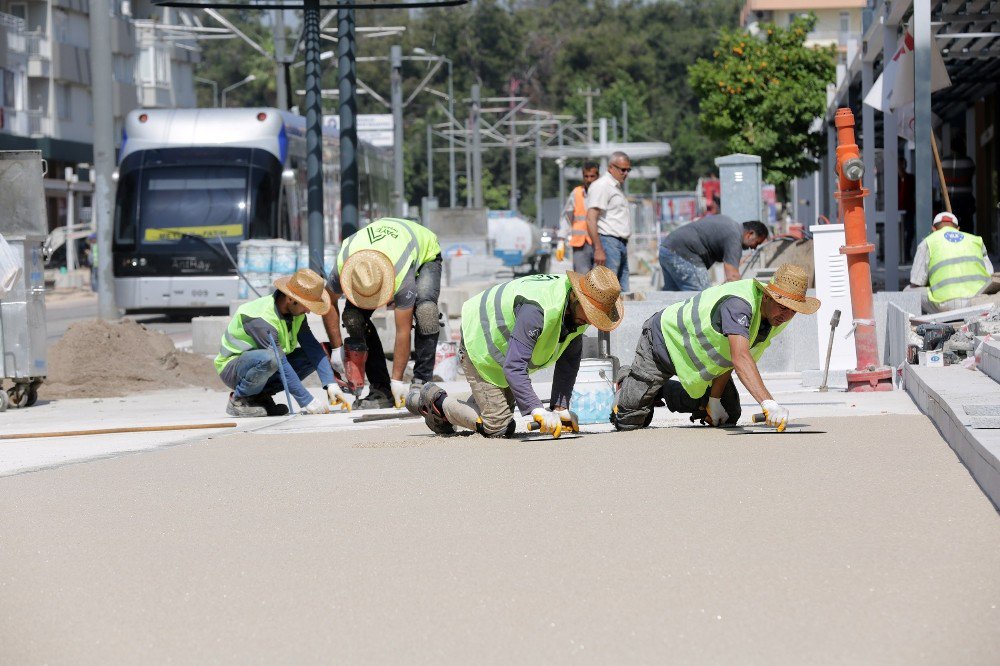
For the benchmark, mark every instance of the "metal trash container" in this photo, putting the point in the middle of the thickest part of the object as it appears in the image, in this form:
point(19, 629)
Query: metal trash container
point(23, 339)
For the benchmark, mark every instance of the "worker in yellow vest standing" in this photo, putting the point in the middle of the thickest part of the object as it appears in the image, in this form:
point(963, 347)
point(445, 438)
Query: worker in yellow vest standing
point(515, 328)
point(952, 264)
point(574, 223)
point(702, 341)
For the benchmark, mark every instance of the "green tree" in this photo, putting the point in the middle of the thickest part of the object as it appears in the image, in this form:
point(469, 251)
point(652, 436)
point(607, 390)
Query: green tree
point(760, 95)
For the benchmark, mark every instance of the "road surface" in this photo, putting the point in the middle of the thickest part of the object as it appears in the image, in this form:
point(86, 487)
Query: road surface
point(865, 542)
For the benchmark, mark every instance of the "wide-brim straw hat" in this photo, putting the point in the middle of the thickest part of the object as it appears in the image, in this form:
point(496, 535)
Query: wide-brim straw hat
point(368, 279)
point(788, 286)
point(307, 287)
point(600, 294)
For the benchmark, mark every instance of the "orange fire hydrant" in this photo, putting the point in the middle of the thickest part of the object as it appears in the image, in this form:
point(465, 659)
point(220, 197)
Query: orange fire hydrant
point(870, 375)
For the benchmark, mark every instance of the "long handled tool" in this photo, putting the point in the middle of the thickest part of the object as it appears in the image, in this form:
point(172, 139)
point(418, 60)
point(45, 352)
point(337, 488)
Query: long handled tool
point(113, 431)
point(834, 322)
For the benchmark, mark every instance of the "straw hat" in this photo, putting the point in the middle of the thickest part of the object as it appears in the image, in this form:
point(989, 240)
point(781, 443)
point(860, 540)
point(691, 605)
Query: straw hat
point(307, 287)
point(788, 287)
point(600, 295)
point(368, 279)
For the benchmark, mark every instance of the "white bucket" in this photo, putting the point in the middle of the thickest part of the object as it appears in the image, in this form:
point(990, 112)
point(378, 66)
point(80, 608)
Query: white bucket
point(303, 256)
point(258, 257)
point(446, 362)
point(284, 257)
point(593, 395)
point(260, 281)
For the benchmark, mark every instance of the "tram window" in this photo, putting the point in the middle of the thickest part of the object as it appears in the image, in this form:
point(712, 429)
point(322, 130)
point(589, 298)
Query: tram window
point(125, 209)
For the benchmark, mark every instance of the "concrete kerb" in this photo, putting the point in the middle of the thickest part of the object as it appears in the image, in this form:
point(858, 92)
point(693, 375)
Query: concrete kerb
point(943, 395)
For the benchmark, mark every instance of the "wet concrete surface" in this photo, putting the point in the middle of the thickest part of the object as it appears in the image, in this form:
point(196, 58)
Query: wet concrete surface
point(868, 544)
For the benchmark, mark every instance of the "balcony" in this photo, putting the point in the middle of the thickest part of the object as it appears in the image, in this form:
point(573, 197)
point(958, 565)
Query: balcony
point(14, 29)
point(39, 124)
point(39, 54)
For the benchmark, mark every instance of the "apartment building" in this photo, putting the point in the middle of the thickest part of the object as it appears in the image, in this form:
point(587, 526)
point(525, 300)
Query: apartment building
point(838, 22)
point(45, 78)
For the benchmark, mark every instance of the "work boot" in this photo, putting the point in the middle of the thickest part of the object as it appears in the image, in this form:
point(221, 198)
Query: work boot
point(413, 402)
point(376, 399)
point(430, 393)
point(268, 403)
point(243, 407)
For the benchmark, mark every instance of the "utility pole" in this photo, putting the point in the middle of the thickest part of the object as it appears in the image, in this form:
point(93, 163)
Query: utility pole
point(538, 171)
point(590, 94)
point(104, 151)
point(280, 81)
point(513, 159)
point(348, 111)
point(430, 163)
point(396, 84)
point(468, 164)
point(625, 135)
point(451, 140)
point(561, 163)
point(477, 150)
point(314, 138)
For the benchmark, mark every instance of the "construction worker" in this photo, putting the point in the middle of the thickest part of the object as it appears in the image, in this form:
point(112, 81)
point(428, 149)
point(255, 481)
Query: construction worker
point(701, 341)
point(272, 330)
point(515, 328)
point(574, 222)
point(389, 261)
point(953, 264)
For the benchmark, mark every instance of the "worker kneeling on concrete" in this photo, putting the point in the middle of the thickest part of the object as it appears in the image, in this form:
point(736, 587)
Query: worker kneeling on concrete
point(389, 261)
point(701, 341)
point(515, 328)
point(272, 330)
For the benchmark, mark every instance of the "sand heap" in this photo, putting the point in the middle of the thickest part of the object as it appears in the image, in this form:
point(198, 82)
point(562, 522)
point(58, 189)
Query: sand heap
point(100, 359)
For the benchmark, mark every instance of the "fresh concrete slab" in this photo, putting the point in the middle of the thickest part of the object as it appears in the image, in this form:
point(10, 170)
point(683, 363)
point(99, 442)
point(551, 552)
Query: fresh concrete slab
point(866, 543)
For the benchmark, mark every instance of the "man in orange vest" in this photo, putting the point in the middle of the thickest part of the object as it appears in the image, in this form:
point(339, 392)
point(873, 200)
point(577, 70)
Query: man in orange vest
point(574, 227)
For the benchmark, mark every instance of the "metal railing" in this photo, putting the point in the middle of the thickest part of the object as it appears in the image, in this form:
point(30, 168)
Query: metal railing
point(39, 123)
point(39, 45)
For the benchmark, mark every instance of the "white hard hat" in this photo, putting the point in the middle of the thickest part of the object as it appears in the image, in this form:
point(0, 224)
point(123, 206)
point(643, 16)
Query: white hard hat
point(943, 217)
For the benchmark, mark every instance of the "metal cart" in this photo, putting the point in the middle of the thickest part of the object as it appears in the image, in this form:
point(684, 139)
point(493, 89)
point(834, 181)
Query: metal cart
point(22, 310)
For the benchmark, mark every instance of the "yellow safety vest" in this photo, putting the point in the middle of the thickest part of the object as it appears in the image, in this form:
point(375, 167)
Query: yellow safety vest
point(955, 266)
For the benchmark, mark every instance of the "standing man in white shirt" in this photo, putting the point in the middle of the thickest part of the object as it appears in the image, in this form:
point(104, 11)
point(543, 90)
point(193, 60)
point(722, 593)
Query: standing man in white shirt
point(608, 221)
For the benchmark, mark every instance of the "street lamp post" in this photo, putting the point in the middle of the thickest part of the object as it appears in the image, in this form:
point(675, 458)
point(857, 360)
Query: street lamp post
point(215, 89)
point(225, 90)
point(451, 134)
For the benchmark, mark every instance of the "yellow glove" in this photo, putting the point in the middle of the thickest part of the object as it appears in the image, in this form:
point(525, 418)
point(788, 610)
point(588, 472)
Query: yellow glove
point(548, 421)
point(560, 251)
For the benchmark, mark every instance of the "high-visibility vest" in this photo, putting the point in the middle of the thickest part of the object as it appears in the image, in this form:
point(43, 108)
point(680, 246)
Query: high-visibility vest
point(578, 233)
point(698, 351)
point(236, 340)
point(488, 319)
point(955, 266)
point(407, 244)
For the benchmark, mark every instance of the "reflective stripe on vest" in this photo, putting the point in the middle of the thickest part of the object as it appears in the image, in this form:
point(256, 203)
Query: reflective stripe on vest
point(395, 239)
point(955, 265)
point(235, 340)
point(488, 319)
point(578, 235)
point(699, 352)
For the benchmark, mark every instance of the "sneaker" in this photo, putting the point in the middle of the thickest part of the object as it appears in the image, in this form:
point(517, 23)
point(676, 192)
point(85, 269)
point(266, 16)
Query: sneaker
point(267, 402)
point(243, 407)
point(376, 399)
point(435, 420)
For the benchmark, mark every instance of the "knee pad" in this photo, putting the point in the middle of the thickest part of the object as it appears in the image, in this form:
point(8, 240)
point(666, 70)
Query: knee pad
point(427, 317)
point(506, 433)
point(632, 420)
point(354, 323)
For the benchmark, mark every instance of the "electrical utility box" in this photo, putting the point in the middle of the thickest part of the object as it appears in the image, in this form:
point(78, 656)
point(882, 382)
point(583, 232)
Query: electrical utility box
point(740, 180)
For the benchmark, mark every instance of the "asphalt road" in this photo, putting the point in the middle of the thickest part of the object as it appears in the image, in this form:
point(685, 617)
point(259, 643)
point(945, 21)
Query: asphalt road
point(60, 313)
point(865, 543)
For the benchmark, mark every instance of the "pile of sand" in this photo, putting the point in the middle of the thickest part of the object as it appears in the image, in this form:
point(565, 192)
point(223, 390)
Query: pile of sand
point(100, 359)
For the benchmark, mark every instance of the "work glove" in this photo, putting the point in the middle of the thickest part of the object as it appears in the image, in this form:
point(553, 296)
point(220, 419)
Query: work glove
point(548, 421)
point(560, 251)
point(399, 389)
point(337, 397)
point(717, 414)
point(568, 420)
point(337, 361)
point(774, 414)
point(316, 406)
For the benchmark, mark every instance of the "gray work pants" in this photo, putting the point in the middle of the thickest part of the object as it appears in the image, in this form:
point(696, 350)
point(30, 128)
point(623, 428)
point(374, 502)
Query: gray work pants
point(648, 383)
